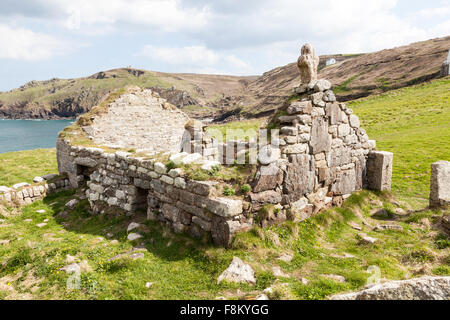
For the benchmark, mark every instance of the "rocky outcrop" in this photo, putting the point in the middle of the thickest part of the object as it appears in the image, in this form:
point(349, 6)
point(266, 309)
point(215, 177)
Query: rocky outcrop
point(427, 288)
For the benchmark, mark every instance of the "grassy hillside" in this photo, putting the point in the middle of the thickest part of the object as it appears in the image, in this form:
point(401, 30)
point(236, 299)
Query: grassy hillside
point(413, 123)
point(72, 97)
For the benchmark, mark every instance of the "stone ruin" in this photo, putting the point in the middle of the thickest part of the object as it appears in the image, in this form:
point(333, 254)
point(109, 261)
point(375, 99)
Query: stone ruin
point(316, 156)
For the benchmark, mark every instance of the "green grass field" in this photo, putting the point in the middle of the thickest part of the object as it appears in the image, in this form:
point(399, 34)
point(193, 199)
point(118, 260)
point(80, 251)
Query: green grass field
point(413, 123)
point(23, 166)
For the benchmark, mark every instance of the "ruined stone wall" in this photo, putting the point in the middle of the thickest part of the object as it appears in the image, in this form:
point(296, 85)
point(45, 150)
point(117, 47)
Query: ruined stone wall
point(131, 184)
point(24, 193)
point(139, 120)
point(316, 156)
point(321, 157)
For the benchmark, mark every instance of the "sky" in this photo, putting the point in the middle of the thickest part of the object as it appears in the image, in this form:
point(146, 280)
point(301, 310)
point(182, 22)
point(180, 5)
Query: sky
point(43, 39)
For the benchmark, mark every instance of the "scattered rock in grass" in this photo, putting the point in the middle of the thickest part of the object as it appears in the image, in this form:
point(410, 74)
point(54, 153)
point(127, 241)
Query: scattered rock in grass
point(133, 226)
point(277, 272)
point(169, 243)
point(365, 239)
point(380, 214)
point(114, 242)
point(82, 267)
point(5, 242)
point(148, 284)
point(426, 288)
point(70, 259)
point(355, 226)
point(48, 235)
point(28, 220)
point(304, 281)
point(344, 256)
point(286, 257)
point(268, 290)
point(38, 179)
point(425, 222)
point(72, 203)
point(262, 297)
point(238, 271)
point(41, 225)
point(376, 203)
point(134, 236)
point(49, 176)
point(333, 277)
point(136, 256)
point(109, 235)
point(273, 237)
point(382, 227)
point(400, 211)
point(45, 220)
point(40, 211)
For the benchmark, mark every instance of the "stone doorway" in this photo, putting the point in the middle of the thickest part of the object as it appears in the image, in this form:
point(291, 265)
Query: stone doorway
point(84, 173)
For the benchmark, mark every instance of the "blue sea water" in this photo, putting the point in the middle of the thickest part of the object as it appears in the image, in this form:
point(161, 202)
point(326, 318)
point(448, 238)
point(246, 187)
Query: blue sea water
point(16, 135)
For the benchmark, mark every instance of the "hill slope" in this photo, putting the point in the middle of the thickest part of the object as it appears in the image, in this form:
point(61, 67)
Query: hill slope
point(355, 77)
point(220, 96)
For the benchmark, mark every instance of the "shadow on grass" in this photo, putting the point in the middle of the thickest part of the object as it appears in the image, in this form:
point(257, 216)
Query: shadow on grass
point(158, 239)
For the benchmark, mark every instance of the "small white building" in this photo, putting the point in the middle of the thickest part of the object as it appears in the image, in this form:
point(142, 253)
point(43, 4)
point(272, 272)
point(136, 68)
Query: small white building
point(330, 62)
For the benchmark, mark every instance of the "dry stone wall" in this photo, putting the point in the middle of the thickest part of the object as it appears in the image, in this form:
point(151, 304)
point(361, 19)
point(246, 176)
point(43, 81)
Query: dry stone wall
point(130, 183)
point(324, 156)
point(23, 193)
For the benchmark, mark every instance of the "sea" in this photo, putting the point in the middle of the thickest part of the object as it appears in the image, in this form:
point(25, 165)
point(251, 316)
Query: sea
point(16, 135)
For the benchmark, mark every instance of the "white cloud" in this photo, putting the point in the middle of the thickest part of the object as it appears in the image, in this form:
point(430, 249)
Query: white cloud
point(24, 44)
point(163, 15)
point(195, 59)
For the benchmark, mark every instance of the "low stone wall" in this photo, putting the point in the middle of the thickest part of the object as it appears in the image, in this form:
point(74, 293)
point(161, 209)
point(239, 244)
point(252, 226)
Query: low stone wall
point(131, 184)
point(24, 194)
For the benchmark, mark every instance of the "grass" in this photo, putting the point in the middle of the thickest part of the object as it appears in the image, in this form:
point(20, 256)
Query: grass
point(182, 268)
point(413, 123)
point(23, 166)
point(239, 130)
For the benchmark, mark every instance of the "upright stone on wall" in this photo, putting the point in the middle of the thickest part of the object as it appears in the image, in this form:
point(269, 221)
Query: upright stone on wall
point(440, 184)
point(379, 170)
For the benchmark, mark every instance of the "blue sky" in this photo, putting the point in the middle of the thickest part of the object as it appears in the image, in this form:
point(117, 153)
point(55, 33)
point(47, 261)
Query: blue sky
point(42, 39)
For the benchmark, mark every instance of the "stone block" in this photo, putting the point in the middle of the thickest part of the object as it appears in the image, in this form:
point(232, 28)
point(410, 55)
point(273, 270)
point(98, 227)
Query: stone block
point(379, 170)
point(440, 184)
point(223, 207)
point(320, 139)
point(203, 188)
point(300, 107)
point(268, 178)
point(86, 162)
